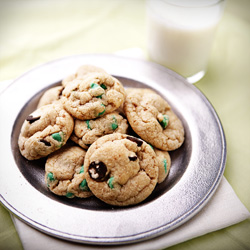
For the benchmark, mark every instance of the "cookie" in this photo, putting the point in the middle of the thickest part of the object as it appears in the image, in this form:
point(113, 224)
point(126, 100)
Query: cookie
point(81, 72)
point(88, 69)
point(93, 96)
point(51, 95)
point(64, 173)
point(44, 131)
point(87, 132)
point(139, 90)
point(151, 117)
point(164, 163)
point(121, 170)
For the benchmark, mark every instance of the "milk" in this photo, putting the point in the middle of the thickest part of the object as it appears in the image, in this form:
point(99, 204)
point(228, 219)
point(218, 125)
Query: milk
point(181, 38)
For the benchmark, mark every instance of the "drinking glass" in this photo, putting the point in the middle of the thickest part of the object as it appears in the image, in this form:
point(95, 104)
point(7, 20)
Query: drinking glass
point(180, 34)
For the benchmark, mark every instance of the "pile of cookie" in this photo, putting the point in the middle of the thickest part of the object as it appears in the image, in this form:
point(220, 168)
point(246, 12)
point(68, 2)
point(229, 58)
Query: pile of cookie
point(101, 139)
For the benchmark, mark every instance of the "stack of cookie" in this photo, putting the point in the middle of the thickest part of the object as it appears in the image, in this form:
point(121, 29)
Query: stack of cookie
point(121, 138)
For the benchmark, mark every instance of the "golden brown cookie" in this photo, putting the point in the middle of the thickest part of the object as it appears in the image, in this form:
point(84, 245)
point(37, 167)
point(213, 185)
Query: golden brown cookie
point(82, 72)
point(93, 96)
point(153, 120)
point(87, 132)
point(51, 95)
point(64, 173)
point(120, 169)
point(44, 131)
point(164, 164)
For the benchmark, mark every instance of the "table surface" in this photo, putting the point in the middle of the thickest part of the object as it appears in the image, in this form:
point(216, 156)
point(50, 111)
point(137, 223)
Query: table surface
point(34, 32)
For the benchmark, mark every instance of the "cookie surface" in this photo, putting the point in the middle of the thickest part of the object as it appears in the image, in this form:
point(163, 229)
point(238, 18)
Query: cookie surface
point(88, 69)
point(153, 120)
point(120, 169)
point(82, 71)
point(51, 95)
point(44, 131)
point(87, 132)
point(64, 173)
point(164, 164)
point(93, 96)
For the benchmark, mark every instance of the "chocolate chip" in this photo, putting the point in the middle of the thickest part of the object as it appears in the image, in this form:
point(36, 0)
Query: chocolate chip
point(97, 170)
point(60, 93)
point(136, 140)
point(132, 158)
point(45, 142)
point(32, 119)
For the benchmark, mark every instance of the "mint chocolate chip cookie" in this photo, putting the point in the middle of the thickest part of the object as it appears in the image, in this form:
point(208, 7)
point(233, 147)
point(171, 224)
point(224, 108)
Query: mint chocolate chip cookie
point(153, 120)
point(51, 95)
point(44, 131)
point(164, 163)
point(120, 169)
point(64, 173)
point(88, 131)
point(93, 96)
point(82, 72)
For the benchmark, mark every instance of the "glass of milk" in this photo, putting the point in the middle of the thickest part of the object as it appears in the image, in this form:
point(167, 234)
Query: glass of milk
point(181, 32)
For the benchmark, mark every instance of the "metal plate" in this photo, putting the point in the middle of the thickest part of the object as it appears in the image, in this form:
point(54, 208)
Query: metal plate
point(197, 167)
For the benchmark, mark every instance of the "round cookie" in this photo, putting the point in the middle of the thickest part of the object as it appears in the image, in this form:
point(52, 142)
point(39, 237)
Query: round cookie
point(64, 173)
point(140, 90)
point(44, 131)
point(153, 120)
point(93, 96)
point(87, 132)
point(164, 163)
point(82, 72)
point(88, 69)
point(120, 169)
point(51, 95)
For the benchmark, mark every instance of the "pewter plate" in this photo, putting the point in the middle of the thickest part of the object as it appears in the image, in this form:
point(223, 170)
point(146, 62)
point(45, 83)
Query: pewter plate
point(197, 167)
